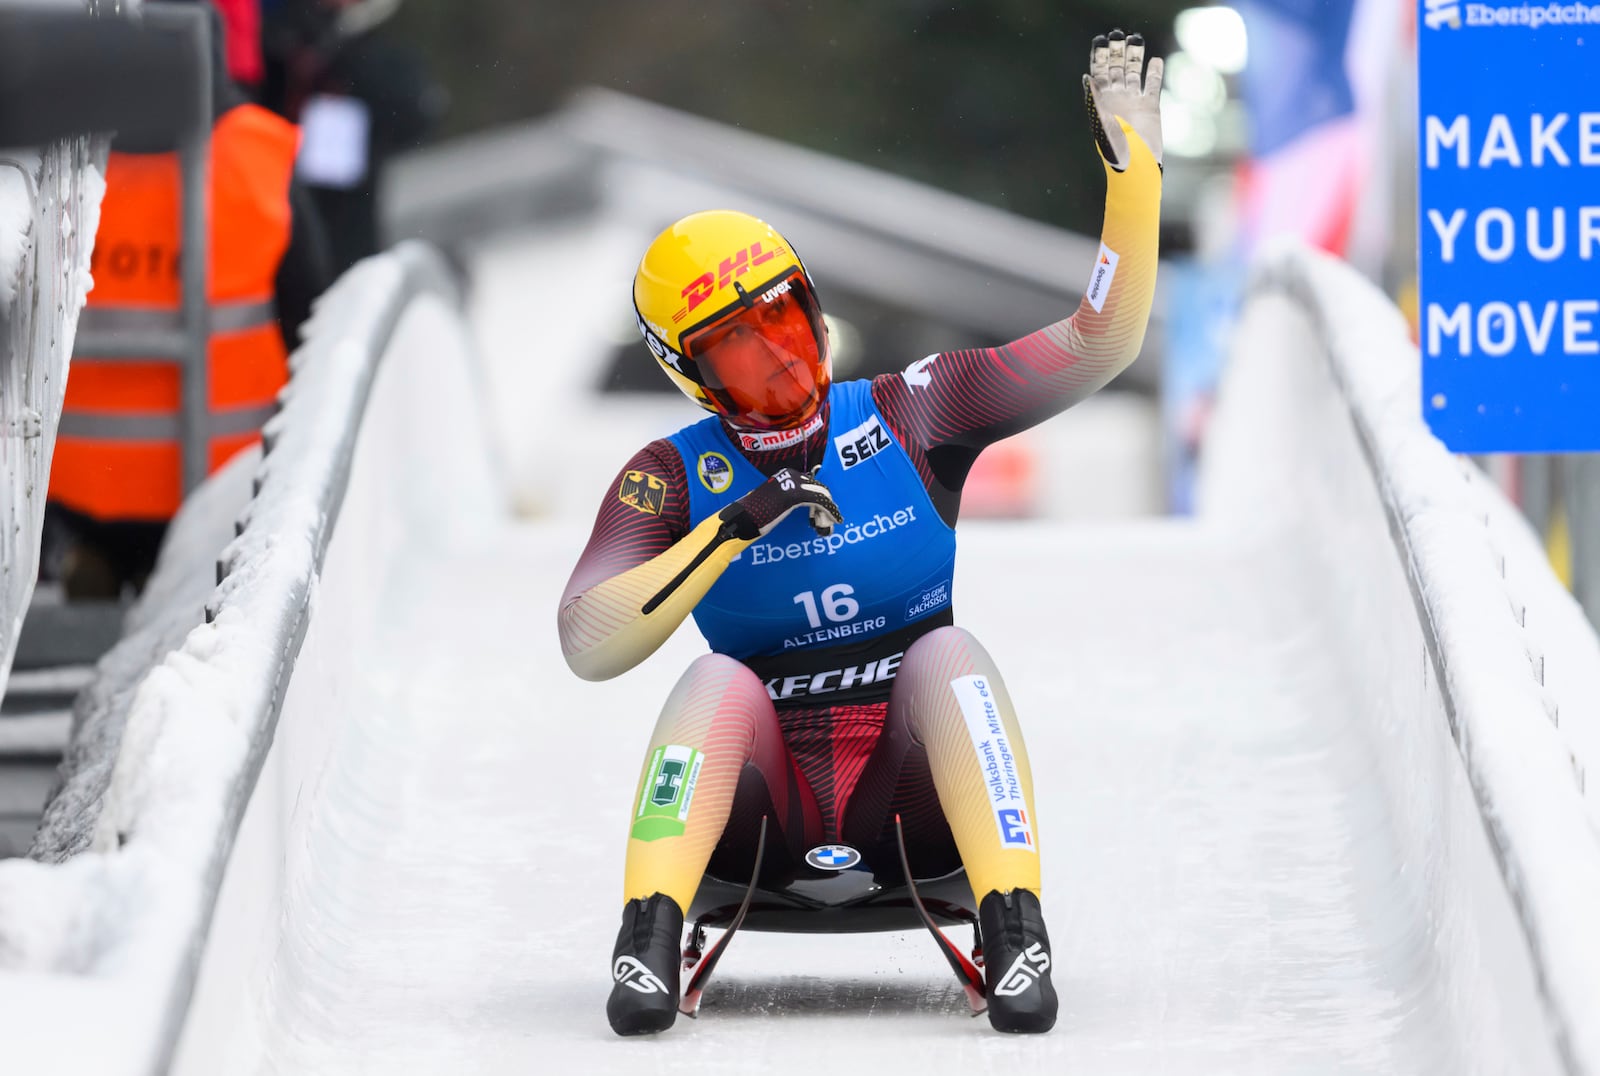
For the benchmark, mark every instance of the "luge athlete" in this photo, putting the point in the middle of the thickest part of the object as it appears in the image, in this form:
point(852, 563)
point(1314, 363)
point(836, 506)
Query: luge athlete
point(838, 692)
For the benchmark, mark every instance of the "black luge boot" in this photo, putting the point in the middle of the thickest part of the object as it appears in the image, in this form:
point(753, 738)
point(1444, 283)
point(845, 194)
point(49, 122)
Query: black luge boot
point(644, 967)
point(1016, 962)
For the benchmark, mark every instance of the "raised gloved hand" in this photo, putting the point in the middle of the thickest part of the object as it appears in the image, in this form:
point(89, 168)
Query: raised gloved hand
point(1117, 85)
point(764, 507)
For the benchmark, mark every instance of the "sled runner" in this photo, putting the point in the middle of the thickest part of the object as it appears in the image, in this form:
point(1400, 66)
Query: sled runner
point(839, 890)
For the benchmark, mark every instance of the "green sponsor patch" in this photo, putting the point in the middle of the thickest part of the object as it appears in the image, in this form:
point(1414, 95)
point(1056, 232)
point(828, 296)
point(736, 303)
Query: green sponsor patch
point(668, 790)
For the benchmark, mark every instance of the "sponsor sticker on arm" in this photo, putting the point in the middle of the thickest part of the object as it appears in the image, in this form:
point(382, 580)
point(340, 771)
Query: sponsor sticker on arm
point(1105, 270)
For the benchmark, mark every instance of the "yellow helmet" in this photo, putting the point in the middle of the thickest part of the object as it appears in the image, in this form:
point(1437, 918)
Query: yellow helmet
point(730, 314)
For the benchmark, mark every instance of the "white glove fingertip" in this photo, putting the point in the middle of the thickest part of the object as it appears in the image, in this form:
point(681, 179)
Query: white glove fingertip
point(1152, 77)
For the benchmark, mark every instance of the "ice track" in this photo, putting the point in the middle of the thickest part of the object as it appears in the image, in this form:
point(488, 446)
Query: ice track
point(1263, 852)
point(1217, 882)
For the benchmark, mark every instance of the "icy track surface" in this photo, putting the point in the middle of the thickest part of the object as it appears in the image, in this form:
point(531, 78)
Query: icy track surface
point(1262, 851)
point(1216, 882)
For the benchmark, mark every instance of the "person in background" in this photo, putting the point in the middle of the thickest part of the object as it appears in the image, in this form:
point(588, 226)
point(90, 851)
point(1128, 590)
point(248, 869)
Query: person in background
point(241, 27)
point(116, 478)
point(359, 97)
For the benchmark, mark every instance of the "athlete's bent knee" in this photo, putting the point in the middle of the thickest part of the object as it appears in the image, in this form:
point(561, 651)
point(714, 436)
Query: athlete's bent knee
point(949, 648)
point(712, 668)
point(717, 692)
point(950, 635)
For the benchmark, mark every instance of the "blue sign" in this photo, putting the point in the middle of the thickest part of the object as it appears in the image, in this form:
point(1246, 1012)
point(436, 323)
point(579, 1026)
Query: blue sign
point(1509, 215)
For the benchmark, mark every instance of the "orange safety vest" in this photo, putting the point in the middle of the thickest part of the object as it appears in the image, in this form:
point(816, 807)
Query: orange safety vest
point(118, 455)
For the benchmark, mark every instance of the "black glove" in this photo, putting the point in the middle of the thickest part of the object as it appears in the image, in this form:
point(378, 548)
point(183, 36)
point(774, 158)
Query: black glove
point(764, 507)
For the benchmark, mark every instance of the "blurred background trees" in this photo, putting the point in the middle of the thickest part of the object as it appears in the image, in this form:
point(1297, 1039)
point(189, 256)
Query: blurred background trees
point(981, 98)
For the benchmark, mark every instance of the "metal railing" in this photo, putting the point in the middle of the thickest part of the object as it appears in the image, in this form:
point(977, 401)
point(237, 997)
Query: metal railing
point(187, 344)
point(1560, 496)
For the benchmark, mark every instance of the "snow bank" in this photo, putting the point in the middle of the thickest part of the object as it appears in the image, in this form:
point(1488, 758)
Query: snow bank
point(49, 213)
point(1462, 650)
point(109, 941)
point(16, 228)
point(172, 605)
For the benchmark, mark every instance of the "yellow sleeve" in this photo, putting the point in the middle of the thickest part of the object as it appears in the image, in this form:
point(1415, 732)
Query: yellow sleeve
point(1074, 358)
point(1132, 230)
point(615, 624)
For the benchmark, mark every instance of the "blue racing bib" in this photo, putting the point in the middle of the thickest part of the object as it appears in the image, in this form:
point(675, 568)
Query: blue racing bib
point(888, 565)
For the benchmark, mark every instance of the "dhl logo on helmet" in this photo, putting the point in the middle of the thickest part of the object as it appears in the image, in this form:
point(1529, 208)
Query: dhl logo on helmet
point(737, 264)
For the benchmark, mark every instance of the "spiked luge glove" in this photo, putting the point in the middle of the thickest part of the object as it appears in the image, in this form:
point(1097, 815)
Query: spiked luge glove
point(764, 507)
point(1119, 87)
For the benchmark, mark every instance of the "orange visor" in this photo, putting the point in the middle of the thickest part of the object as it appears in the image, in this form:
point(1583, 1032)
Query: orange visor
point(764, 361)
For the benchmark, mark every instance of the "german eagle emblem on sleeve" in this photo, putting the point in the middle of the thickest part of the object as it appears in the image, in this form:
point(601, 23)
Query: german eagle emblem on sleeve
point(644, 492)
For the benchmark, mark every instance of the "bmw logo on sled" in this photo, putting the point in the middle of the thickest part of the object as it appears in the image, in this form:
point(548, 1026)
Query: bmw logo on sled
point(833, 857)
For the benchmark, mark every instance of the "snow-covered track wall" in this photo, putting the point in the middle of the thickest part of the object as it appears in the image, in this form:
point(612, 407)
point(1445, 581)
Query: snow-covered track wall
point(99, 955)
point(419, 469)
point(1472, 673)
point(49, 212)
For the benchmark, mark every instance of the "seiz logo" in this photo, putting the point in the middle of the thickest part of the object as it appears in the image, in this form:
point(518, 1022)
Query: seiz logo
point(1027, 969)
point(1014, 828)
point(785, 479)
point(1442, 13)
point(861, 443)
point(631, 973)
point(738, 264)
